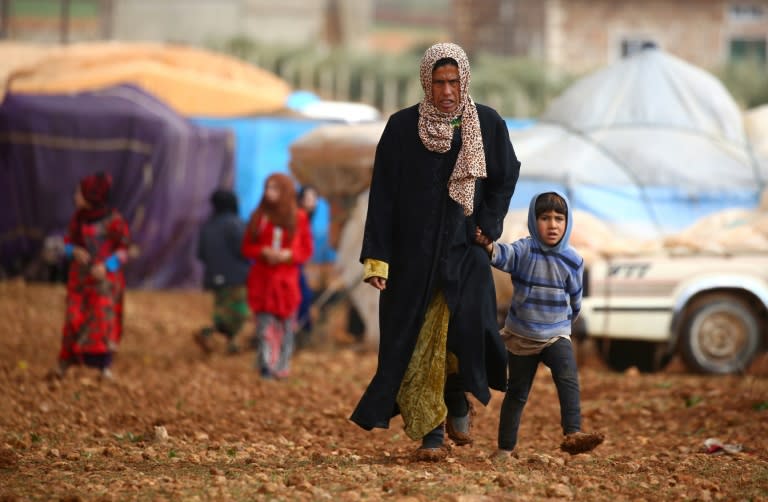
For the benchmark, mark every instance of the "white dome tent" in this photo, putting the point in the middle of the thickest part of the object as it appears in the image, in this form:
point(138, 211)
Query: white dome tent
point(648, 145)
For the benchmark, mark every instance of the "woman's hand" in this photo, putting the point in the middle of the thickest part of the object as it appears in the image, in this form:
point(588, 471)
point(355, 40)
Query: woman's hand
point(379, 283)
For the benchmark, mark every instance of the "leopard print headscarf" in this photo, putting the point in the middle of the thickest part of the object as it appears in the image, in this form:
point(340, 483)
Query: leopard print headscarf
point(436, 131)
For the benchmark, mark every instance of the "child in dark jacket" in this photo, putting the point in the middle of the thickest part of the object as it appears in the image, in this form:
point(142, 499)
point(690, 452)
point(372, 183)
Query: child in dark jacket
point(547, 277)
point(225, 270)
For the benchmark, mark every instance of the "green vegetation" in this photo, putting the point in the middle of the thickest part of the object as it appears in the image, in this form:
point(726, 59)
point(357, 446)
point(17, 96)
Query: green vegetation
point(515, 87)
point(747, 81)
point(52, 8)
point(692, 401)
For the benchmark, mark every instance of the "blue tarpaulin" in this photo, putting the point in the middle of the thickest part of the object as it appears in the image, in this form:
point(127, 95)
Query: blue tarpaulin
point(262, 148)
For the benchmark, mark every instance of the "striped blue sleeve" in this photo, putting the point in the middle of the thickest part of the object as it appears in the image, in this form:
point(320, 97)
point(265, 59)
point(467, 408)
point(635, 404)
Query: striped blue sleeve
point(576, 288)
point(505, 256)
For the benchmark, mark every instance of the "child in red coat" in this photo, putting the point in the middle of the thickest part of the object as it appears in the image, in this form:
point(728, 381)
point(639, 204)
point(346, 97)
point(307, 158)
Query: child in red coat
point(97, 239)
point(277, 241)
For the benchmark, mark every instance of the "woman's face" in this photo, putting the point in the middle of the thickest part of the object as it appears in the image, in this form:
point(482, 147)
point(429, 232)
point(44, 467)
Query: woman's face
point(446, 88)
point(272, 192)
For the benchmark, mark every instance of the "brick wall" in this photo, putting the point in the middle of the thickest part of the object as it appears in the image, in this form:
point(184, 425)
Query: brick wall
point(513, 27)
point(593, 30)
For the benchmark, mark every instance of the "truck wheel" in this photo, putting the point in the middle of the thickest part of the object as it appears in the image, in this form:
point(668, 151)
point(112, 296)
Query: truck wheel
point(620, 355)
point(720, 335)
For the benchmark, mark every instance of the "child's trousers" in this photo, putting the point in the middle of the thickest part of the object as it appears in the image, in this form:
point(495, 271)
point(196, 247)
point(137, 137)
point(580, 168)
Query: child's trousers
point(560, 359)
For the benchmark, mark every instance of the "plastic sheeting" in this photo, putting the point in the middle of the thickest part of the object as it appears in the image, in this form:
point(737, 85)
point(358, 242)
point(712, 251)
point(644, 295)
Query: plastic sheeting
point(164, 169)
point(648, 145)
point(756, 121)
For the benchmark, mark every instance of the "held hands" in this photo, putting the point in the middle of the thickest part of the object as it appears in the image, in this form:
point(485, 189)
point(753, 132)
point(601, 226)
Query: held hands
point(483, 240)
point(380, 283)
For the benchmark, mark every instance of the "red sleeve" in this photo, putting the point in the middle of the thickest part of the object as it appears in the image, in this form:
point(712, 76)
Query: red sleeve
point(251, 247)
point(119, 235)
point(302, 245)
point(119, 232)
point(69, 237)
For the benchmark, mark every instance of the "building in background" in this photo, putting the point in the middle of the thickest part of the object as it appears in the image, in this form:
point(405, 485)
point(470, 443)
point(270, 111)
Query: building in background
point(53, 20)
point(580, 35)
point(197, 22)
point(402, 25)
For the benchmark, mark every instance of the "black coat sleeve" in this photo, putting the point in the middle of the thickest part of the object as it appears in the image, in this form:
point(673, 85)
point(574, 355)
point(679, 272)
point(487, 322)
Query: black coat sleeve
point(377, 237)
point(503, 169)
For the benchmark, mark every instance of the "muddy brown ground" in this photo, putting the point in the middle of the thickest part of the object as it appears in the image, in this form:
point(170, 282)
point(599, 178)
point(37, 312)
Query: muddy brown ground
point(176, 425)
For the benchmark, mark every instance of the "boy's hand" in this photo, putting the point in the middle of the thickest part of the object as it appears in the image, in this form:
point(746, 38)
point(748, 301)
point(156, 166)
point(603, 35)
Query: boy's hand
point(483, 240)
point(480, 238)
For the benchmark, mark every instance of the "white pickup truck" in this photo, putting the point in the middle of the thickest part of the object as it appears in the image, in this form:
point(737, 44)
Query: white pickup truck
point(712, 310)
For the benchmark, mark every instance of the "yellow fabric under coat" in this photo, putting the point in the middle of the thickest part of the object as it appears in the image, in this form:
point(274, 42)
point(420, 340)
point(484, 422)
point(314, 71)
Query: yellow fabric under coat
point(420, 397)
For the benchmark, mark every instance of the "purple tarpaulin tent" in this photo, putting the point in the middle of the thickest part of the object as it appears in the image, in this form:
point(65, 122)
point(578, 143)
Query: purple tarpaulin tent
point(164, 169)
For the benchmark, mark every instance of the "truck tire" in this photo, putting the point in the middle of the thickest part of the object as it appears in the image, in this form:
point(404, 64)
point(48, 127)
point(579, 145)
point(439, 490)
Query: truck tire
point(720, 335)
point(620, 355)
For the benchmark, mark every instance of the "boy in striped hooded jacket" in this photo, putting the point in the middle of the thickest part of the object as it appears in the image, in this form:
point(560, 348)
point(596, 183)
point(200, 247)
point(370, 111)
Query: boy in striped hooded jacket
point(546, 274)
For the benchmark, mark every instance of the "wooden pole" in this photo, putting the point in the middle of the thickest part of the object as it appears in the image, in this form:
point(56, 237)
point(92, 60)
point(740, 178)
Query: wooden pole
point(64, 21)
point(107, 18)
point(368, 89)
point(5, 18)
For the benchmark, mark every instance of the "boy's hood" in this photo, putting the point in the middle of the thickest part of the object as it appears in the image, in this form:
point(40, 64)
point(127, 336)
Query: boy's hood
point(532, 228)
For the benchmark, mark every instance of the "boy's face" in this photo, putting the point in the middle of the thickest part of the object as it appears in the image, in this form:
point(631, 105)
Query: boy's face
point(551, 227)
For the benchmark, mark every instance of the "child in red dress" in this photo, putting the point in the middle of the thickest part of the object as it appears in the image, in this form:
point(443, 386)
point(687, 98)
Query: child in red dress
point(277, 241)
point(97, 240)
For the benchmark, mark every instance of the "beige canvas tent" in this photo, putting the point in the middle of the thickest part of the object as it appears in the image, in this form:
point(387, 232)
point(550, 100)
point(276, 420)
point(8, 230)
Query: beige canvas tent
point(337, 158)
point(194, 82)
point(18, 55)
